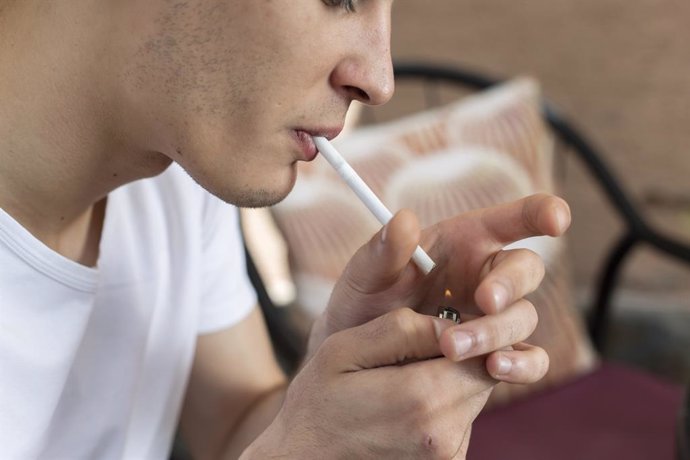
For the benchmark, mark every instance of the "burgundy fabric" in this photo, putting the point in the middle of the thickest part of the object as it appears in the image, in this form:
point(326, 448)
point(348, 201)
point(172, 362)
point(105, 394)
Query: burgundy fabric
point(613, 413)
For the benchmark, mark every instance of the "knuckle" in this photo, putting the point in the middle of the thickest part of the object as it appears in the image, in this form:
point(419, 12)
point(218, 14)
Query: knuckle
point(498, 257)
point(326, 347)
point(540, 268)
point(420, 410)
point(531, 265)
point(434, 442)
point(486, 338)
point(403, 320)
point(329, 349)
point(533, 365)
point(531, 317)
point(420, 396)
point(535, 264)
point(402, 317)
point(495, 333)
point(525, 319)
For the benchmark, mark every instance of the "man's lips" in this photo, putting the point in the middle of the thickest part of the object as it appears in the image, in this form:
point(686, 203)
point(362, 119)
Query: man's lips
point(303, 137)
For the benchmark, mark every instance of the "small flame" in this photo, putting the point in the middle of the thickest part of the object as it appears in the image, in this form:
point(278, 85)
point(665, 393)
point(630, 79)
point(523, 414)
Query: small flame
point(448, 295)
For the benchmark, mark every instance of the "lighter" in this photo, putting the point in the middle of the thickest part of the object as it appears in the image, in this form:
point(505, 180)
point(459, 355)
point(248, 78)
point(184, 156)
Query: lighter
point(448, 312)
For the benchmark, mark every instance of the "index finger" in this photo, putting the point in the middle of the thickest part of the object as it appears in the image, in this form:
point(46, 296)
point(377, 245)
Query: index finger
point(535, 215)
point(398, 336)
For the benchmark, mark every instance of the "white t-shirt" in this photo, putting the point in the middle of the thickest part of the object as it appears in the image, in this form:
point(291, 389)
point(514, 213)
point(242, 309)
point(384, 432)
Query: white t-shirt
point(94, 361)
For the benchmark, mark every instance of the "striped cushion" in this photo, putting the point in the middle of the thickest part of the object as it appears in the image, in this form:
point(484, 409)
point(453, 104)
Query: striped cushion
point(486, 149)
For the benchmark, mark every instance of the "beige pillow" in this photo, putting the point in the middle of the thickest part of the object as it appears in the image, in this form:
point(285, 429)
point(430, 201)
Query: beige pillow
point(486, 149)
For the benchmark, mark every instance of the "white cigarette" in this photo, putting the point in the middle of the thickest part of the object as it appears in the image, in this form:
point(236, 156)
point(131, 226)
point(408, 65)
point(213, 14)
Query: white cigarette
point(367, 196)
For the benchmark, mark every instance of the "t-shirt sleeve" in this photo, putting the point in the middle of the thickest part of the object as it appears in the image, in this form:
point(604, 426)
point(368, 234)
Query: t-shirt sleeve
point(227, 293)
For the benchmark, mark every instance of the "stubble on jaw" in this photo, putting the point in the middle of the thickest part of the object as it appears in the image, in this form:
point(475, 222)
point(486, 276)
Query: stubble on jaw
point(189, 63)
point(247, 197)
point(185, 60)
point(260, 198)
point(242, 192)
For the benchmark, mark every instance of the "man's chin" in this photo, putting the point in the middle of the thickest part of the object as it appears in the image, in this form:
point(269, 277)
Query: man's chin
point(257, 197)
point(250, 195)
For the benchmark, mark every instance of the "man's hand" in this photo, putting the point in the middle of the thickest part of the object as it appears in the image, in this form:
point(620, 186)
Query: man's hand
point(484, 279)
point(379, 390)
point(377, 383)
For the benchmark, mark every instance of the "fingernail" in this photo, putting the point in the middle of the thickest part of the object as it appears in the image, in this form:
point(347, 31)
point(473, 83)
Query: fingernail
point(439, 327)
point(563, 220)
point(500, 296)
point(504, 365)
point(462, 342)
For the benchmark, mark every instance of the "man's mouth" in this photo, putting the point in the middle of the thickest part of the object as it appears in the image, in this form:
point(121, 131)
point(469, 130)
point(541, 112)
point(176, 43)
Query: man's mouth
point(303, 137)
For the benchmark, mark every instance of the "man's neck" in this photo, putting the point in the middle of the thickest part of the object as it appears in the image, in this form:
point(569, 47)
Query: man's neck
point(58, 154)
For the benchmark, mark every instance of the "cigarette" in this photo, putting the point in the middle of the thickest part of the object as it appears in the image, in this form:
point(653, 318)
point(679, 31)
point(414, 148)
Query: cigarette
point(367, 196)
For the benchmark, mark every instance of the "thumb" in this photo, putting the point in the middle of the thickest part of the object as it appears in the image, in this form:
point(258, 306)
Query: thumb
point(399, 336)
point(380, 262)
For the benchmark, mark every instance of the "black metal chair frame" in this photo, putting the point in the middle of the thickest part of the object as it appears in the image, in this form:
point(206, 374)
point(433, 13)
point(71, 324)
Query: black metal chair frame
point(638, 231)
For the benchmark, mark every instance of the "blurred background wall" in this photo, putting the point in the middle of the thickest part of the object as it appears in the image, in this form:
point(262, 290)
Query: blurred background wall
point(621, 71)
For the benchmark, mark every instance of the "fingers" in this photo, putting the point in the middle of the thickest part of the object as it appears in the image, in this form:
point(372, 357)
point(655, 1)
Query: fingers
point(379, 263)
point(458, 381)
point(525, 364)
point(535, 215)
point(514, 361)
point(489, 333)
point(512, 274)
point(396, 337)
point(391, 368)
point(431, 401)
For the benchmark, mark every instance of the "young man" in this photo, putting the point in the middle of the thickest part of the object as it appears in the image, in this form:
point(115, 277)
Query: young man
point(124, 307)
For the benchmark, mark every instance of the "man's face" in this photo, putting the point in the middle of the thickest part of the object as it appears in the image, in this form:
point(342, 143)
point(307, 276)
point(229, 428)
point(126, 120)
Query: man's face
point(230, 88)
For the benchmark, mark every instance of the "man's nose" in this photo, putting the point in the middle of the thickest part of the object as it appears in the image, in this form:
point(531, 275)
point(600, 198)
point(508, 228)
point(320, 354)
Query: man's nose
point(366, 75)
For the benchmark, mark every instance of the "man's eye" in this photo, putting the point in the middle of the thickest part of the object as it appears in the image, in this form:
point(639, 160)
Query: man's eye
point(347, 5)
